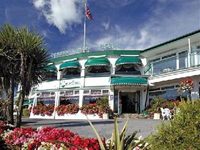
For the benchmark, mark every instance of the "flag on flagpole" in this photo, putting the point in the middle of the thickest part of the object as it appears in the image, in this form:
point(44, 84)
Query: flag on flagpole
point(88, 13)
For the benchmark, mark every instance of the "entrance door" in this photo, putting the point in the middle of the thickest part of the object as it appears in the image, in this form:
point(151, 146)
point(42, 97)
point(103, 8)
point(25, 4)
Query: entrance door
point(129, 101)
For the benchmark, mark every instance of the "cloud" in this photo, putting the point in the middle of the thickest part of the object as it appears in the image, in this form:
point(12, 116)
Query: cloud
point(106, 25)
point(39, 3)
point(161, 26)
point(165, 23)
point(61, 13)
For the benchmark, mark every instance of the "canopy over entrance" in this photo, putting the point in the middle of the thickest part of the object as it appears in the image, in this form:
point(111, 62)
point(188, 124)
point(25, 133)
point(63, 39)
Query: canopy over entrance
point(128, 81)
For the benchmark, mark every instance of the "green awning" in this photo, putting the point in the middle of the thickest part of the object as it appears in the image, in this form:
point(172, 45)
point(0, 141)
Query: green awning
point(27, 102)
point(128, 60)
point(101, 61)
point(128, 81)
point(69, 64)
point(51, 68)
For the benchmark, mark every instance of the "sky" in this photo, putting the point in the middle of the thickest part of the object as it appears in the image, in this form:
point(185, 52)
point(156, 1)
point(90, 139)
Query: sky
point(120, 24)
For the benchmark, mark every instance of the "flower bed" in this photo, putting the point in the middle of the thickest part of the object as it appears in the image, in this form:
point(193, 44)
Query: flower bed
point(94, 109)
point(43, 110)
point(48, 138)
point(67, 109)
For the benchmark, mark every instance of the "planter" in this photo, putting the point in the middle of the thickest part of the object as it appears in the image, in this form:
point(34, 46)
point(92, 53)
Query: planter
point(105, 116)
point(156, 116)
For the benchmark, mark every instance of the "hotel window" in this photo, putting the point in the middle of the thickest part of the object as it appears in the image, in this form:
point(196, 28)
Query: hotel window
point(168, 93)
point(68, 93)
point(71, 73)
point(183, 60)
point(97, 70)
point(68, 97)
point(86, 92)
point(46, 98)
point(128, 69)
point(96, 92)
point(167, 64)
point(76, 92)
point(105, 92)
point(66, 100)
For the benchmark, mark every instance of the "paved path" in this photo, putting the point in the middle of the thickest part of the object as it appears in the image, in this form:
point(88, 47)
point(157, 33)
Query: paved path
point(104, 127)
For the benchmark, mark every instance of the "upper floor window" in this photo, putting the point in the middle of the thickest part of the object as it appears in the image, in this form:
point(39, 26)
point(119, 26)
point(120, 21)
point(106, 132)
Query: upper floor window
point(183, 59)
point(127, 69)
point(166, 64)
point(128, 65)
point(71, 72)
point(97, 66)
point(98, 69)
point(70, 69)
point(51, 72)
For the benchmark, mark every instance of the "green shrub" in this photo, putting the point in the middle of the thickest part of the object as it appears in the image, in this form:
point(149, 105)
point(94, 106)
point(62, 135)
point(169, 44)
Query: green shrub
point(182, 133)
point(26, 112)
point(103, 102)
point(155, 104)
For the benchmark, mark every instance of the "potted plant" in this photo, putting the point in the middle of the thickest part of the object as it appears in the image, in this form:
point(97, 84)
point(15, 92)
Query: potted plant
point(156, 114)
point(104, 108)
point(155, 106)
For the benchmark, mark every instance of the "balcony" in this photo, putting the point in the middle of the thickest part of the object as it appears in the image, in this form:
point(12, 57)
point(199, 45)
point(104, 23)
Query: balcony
point(175, 66)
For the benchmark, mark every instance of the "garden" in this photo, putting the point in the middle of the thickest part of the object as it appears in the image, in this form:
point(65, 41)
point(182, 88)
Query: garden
point(99, 108)
point(182, 132)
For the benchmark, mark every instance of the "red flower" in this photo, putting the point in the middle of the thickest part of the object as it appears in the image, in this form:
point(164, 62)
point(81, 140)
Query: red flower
point(43, 110)
point(67, 109)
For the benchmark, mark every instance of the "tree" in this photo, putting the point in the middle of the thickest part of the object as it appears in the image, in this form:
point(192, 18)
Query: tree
point(23, 60)
point(8, 67)
point(33, 60)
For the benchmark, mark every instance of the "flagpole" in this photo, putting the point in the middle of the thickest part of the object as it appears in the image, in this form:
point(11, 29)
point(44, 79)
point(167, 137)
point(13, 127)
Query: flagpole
point(84, 27)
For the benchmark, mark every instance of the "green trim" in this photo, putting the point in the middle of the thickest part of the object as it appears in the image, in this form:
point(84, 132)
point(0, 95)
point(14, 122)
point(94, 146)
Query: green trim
point(100, 61)
point(149, 68)
point(95, 53)
point(51, 68)
point(128, 81)
point(69, 64)
point(27, 102)
point(170, 41)
point(128, 60)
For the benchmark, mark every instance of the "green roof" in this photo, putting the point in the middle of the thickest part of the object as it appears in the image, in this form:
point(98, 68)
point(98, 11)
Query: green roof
point(100, 61)
point(128, 81)
point(95, 53)
point(128, 60)
point(51, 68)
point(69, 64)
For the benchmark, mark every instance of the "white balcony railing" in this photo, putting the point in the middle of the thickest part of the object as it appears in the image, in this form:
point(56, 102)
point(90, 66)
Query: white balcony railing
point(172, 64)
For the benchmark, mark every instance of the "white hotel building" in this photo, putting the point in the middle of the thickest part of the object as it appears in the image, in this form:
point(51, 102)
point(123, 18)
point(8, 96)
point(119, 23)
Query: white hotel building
point(129, 78)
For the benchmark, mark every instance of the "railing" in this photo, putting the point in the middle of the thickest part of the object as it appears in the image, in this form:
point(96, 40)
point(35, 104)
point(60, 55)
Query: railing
point(173, 64)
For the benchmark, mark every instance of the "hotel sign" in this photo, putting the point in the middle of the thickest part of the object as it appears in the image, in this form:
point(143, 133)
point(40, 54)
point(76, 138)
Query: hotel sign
point(69, 83)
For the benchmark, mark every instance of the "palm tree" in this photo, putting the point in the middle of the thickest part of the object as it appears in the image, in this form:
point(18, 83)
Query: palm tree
point(8, 66)
point(33, 60)
point(23, 60)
